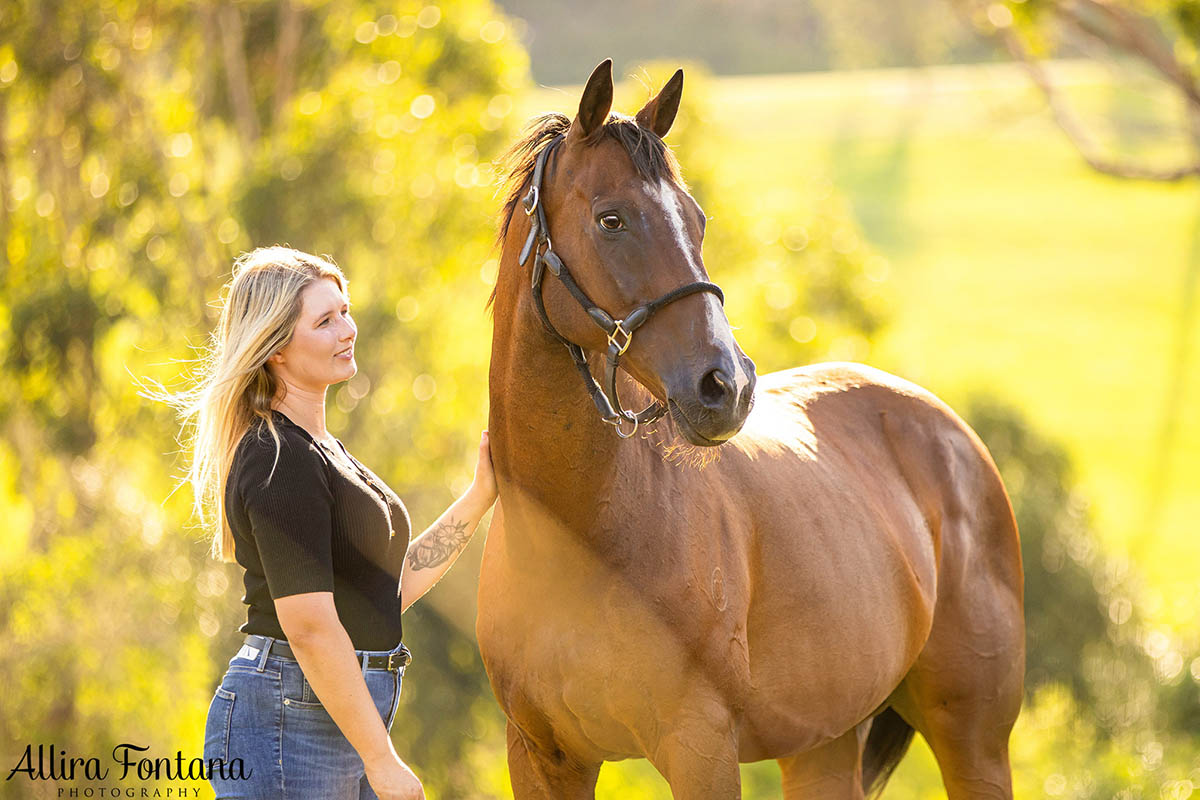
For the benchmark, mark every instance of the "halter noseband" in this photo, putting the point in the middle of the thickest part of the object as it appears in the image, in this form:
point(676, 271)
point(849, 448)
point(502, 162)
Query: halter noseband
point(619, 332)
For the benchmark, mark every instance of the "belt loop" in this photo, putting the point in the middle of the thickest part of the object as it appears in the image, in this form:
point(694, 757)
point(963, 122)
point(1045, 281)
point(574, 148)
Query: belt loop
point(266, 651)
point(363, 659)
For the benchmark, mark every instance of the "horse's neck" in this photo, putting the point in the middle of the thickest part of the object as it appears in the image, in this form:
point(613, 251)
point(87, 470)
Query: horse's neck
point(548, 441)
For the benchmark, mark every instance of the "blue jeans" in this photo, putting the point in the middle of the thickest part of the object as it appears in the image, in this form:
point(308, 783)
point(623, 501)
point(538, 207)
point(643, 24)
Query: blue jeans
point(266, 714)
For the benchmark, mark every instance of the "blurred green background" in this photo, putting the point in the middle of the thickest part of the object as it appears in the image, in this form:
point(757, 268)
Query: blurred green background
point(883, 186)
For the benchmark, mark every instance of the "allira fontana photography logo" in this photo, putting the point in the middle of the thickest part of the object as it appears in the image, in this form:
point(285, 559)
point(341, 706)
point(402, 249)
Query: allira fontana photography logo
point(48, 762)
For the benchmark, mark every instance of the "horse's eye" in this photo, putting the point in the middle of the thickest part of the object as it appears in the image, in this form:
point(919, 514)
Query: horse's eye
point(611, 222)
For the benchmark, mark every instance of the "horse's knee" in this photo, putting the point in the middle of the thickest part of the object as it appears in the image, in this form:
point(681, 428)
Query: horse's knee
point(699, 762)
point(969, 740)
point(535, 775)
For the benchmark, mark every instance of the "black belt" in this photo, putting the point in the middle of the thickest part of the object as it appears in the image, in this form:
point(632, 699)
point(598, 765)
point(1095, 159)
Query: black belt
point(391, 662)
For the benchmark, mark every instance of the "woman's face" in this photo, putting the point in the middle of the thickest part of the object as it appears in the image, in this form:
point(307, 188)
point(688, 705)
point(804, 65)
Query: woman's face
point(321, 351)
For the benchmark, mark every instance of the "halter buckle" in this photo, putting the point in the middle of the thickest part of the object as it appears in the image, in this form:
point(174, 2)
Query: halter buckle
point(612, 337)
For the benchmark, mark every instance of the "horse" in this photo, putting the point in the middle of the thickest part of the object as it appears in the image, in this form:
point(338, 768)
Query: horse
point(805, 566)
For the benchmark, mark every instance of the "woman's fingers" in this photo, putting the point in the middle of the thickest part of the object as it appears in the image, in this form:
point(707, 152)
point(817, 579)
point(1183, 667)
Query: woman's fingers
point(485, 476)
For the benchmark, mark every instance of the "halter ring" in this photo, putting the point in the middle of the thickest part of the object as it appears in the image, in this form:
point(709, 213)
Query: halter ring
point(616, 423)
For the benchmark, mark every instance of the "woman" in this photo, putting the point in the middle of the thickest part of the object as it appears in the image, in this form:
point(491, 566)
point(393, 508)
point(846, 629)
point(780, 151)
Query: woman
point(308, 701)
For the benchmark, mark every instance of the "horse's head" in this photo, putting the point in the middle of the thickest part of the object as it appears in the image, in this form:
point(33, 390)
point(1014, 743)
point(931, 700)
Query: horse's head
point(620, 217)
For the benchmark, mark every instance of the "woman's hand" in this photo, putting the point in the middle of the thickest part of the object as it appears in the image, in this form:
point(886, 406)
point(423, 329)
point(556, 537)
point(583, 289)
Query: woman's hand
point(483, 487)
point(392, 779)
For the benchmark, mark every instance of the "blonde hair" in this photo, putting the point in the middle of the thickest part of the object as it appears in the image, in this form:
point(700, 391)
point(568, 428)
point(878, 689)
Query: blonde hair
point(259, 306)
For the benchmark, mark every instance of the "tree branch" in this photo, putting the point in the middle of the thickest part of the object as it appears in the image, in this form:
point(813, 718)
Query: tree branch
point(1074, 129)
point(285, 54)
point(1130, 32)
point(237, 77)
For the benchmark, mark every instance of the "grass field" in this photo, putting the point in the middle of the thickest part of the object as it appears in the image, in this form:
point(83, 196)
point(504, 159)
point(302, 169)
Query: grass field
point(1013, 270)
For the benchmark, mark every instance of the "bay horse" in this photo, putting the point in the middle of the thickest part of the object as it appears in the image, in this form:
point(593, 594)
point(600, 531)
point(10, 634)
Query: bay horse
point(804, 566)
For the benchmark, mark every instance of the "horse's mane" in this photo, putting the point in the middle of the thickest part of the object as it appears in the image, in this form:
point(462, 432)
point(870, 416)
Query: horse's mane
point(650, 155)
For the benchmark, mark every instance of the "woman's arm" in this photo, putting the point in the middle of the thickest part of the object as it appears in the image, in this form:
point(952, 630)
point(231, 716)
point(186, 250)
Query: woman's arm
point(432, 553)
point(326, 655)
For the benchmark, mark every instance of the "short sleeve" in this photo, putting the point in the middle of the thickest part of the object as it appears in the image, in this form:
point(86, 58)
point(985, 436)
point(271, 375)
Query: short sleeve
point(291, 514)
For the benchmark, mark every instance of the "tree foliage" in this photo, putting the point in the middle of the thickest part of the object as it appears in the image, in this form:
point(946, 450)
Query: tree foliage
point(145, 144)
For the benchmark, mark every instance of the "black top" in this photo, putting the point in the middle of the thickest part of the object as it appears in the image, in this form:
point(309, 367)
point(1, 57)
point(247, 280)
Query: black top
point(316, 526)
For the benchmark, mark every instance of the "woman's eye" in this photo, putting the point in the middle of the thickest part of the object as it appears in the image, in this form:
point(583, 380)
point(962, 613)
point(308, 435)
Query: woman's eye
point(610, 222)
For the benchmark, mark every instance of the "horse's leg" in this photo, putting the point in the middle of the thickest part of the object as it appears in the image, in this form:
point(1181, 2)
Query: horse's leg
point(537, 777)
point(699, 758)
point(833, 770)
point(964, 692)
point(965, 731)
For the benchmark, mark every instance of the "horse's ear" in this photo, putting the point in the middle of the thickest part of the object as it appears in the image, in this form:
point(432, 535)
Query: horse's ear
point(659, 113)
point(596, 101)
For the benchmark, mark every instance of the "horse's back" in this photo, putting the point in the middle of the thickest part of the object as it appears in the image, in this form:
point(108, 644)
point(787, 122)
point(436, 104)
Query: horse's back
point(783, 392)
point(865, 418)
point(852, 429)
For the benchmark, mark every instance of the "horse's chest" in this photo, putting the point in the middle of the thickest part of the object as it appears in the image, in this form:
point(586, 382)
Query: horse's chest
point(568, 674)
point(593, 655)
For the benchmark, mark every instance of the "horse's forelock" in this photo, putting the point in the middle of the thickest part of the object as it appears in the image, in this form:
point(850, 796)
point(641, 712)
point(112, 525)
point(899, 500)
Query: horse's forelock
point(650, 156)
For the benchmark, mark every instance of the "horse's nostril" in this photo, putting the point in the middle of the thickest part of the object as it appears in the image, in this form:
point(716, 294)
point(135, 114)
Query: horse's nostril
point(715, 388)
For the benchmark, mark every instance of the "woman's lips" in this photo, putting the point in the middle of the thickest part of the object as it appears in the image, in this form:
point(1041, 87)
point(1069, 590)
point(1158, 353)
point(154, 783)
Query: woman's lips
point(347, 354)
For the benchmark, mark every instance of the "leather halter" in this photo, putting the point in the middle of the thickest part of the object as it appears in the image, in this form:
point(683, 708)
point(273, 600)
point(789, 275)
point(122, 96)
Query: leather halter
point(619, 332)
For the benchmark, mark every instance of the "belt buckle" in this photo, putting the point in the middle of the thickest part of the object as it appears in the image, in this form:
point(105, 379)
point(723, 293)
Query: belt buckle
point(399, 660)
